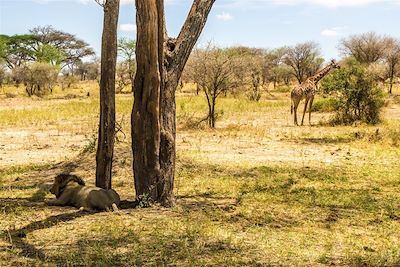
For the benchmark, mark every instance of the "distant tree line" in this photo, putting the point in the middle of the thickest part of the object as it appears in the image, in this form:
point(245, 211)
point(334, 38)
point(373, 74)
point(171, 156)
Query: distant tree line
point(218, 71)
point(46, 56)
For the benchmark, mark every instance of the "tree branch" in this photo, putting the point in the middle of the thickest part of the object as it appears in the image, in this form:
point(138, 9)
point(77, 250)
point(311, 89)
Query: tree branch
point(101, 3)
point(179, 49)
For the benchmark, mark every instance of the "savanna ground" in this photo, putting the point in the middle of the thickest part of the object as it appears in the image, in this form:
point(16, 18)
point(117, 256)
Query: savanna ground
point(256, 191)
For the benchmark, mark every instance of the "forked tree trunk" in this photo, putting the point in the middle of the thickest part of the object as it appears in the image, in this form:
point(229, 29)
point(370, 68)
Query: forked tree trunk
point(105, 148)
point(160, 62)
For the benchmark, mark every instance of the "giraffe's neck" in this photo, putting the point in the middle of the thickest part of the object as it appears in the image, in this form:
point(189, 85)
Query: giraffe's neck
point(321, 74)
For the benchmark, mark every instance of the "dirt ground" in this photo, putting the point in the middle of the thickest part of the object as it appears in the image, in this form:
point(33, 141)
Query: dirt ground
point(276, 139)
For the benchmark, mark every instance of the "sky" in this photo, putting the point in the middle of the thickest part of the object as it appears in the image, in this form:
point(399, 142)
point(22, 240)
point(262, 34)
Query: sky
point(253, 23)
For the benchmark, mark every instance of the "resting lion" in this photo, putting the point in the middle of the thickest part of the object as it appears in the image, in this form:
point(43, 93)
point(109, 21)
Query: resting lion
point(70, 190)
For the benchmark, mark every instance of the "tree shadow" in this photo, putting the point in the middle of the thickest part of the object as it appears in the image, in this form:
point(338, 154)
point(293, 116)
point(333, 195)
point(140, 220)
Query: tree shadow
point(17, 237)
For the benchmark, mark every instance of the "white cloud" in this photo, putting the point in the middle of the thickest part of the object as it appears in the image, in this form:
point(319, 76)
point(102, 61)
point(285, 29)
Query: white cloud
point(224, 16)
point(324, 3)
point(333, 32)
point(128, 27)
point(347, 3)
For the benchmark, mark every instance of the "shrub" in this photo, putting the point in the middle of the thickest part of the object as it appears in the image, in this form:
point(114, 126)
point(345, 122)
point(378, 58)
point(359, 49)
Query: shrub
point(123, 77)
point(328, 104)
point(2, 75)
point(358, 96)
point(20, 75)
point(40, 79)
point(68, 81)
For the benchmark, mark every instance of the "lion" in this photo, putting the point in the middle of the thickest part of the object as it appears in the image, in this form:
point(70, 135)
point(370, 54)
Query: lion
point(70, 190)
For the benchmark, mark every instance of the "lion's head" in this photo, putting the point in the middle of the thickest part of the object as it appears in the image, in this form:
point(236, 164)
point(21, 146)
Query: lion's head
point(62, 180)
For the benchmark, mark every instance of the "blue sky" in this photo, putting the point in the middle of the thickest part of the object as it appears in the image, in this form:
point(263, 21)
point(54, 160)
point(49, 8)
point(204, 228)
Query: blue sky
point(255, 23)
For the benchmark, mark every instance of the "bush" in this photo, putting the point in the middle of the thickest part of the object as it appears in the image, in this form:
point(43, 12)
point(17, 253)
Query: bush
point(68, 81)
point(40, 78)
point(359, 97)
point(2, 75)
point(20, 75)
point(328, 104)
point(123, 78)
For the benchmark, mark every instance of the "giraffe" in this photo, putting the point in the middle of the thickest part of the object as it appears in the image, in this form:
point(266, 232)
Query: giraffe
point(307, 91)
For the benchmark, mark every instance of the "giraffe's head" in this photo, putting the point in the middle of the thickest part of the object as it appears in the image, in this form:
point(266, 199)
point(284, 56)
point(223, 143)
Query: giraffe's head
point(334, 64)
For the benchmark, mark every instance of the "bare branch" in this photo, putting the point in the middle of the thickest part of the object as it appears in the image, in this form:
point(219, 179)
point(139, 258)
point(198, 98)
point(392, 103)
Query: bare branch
point(101, 3)
point(180, 48)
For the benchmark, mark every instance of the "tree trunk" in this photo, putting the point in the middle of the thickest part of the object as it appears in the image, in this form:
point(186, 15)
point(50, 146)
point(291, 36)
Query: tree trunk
point(391, 79)
point(145, 118)
point(160, 62)
point(105, 148)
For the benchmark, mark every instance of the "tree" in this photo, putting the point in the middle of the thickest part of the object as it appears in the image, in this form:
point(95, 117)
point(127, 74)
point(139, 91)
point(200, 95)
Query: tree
point(273, 61)
point(304, 59)
point(392, 58)
point(366, 48)
point(247, 66)
point(105, 148)
point(211, 69)
point(123, 77)
point(126, 49)
point(18, 49)
point(39, 78)
point(357, 93)
point(2, 74)
point(50, 54)
point(160, 62)
point(72, 48)
point(88, 70)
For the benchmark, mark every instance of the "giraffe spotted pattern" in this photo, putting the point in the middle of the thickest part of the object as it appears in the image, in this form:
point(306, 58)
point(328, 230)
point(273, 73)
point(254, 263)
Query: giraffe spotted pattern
point(307, 91)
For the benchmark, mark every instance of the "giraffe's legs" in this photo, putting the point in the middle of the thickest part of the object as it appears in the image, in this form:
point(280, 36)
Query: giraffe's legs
point(309, 116)
point(304, 112)
point(295, 105)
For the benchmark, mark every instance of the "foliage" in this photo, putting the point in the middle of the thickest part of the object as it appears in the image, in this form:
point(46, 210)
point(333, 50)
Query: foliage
point(2, 75)
point(40, 78)
point(49, 54)
point(126, 50)
point(211, 68)
point(328, 104)
point(43, 44)
point(392, 58)
point(72, 49)
point(359, 97)
point(366, 48)
point(18, 49)
point(304, 59)
point(247, 67)
point(88, 70)
point(68, 81)
point(20, 74)
point(3, 47)
point(123, 77)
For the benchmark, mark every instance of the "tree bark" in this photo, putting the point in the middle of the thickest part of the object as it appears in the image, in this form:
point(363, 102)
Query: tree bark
point(105, 148)
point(160, 62)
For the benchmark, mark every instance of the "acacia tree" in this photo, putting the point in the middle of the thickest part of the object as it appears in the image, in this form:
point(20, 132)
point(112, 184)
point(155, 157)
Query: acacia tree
point(366, 48)
point(72, 48)
point(160, 62)
point(212, 69)
point(392, 58)
point(105, 148)
point(304, 59)
point(126, 49)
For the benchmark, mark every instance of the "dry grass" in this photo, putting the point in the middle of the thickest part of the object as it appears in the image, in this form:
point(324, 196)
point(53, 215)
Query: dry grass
point(254, 192)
